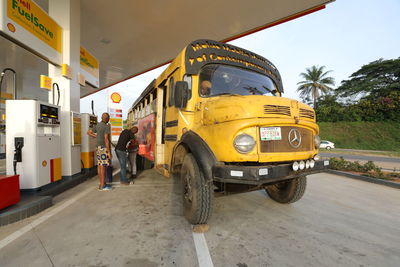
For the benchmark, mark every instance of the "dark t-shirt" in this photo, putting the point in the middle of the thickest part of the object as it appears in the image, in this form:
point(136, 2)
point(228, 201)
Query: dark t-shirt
point(123, 139)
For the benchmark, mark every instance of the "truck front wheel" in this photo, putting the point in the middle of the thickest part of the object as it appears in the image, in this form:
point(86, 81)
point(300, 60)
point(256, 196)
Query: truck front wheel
point(197, 194)
point(288, 191)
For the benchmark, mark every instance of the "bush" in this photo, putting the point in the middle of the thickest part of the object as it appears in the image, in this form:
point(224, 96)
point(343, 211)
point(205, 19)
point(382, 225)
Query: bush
point(367, 169)
point(344, 165)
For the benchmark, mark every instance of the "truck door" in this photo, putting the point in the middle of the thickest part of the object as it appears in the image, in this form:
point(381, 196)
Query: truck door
point(171, 121)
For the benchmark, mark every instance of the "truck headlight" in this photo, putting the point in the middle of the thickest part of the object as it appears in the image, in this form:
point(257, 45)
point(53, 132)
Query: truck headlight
point(244, 143)
point(317, 141)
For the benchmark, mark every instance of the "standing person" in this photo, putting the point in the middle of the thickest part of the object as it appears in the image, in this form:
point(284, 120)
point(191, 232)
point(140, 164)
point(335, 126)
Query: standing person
point(133, 147)
point(121, 151)
point(102, 133)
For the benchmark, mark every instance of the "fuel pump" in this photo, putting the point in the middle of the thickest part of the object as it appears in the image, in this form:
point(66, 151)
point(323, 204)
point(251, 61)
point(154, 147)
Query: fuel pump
point(88, 147)
point(35, 126)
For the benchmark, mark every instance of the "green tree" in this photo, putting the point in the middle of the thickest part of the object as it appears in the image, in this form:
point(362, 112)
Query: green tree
point(315, 81)
point(377, 78)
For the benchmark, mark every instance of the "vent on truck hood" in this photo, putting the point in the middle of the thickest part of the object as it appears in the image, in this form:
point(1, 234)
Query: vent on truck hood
point(306, 113)
point(278, 110)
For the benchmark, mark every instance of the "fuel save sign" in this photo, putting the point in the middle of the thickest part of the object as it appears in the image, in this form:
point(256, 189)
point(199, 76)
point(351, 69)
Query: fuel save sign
point(26, 22)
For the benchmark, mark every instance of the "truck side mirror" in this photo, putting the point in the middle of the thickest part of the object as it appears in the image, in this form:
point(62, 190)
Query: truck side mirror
point(181, 94)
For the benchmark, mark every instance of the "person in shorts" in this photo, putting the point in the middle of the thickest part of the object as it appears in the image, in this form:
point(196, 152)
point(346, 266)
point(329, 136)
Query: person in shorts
point(102, 133)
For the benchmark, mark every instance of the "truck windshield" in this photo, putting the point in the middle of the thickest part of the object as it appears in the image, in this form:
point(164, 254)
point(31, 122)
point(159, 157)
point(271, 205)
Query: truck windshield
point(217, 79)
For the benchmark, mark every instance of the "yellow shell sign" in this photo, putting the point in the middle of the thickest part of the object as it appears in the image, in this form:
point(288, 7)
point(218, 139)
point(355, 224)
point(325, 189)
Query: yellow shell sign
point(89, 66)
point(27, 24)
point(45, 82)
point(33, 19)
point(115, 97)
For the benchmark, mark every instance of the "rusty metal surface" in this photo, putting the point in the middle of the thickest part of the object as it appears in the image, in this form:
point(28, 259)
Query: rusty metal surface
point(284, 145)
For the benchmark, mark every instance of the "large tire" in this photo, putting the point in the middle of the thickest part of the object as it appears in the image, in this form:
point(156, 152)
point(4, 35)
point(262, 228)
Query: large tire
point(288, 191)
point(197, 195)
point(328, 148)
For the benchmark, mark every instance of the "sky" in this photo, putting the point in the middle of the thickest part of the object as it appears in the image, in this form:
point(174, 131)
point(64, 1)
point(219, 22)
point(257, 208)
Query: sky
point(343, 37)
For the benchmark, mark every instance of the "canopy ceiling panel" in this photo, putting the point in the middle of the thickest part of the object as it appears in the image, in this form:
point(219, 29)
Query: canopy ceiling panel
point(129, 37)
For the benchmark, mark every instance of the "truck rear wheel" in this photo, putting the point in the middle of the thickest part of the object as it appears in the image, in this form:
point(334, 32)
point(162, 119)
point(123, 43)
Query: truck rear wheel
point(197, 195)
point(288, 191)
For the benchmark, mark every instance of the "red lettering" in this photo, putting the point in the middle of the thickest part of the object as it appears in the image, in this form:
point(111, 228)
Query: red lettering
point(25, 4)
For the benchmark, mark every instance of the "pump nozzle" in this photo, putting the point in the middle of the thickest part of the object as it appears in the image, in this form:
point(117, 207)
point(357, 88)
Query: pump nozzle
point(19, 144)
point(3, 72)
point(58, 91)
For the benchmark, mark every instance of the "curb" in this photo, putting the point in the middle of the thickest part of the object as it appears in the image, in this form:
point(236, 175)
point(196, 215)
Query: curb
point(41, 200)
point(26, 210)
point(365, 178)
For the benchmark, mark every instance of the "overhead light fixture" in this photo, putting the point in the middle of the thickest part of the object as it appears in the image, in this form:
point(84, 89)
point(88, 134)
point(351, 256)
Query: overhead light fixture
point(105, 41)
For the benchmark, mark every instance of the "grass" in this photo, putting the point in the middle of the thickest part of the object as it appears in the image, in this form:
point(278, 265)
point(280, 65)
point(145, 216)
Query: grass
point(382, 136)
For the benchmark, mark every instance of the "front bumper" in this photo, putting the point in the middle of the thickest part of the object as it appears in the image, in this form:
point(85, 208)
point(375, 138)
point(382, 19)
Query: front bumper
point(258, 175)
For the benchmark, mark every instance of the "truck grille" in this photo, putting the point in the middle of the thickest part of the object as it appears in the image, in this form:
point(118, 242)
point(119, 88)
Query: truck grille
point(284, 145)
point(277, 110)
point(306, 113)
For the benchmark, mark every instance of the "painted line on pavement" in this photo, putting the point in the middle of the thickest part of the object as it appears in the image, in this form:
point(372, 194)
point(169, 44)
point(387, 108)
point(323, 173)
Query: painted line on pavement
point(4, 242)
point(203, 254)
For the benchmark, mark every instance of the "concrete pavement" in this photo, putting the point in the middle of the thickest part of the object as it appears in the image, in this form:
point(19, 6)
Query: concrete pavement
point(339, 221)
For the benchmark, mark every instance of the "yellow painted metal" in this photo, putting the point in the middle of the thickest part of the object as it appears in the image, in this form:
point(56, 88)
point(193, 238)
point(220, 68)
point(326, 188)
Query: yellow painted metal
point(218, 120)
point(45, 82)
point(66, 71)
point(57, 169)
point(87, 159)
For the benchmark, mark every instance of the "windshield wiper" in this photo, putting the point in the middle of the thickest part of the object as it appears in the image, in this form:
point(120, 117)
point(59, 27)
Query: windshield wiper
point(229, 94)
point(269, 90)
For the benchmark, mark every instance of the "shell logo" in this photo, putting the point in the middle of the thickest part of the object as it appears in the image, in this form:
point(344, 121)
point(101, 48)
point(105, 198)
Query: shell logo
point(11, 27)
point(44, 163)
point(115, 97)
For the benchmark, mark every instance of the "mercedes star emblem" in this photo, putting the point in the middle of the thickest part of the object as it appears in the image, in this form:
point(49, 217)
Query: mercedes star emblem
point(294, 138)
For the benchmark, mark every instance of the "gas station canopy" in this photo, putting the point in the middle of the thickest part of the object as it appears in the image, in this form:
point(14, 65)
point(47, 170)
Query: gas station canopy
point(132, 37)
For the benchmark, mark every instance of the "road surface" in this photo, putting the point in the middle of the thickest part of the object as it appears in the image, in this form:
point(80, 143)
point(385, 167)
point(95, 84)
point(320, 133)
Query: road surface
point(338, 222)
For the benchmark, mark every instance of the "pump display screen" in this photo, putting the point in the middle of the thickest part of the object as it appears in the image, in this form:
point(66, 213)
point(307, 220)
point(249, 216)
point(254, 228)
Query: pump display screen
point(92, 121)
point(48, 112)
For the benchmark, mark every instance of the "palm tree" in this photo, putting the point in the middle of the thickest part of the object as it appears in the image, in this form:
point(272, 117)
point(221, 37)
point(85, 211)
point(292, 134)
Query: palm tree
point(315, 80)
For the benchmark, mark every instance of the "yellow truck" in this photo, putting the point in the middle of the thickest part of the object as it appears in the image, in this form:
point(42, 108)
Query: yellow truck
point(216, 120)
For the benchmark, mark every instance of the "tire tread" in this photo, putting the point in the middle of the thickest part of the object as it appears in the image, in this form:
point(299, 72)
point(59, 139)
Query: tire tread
point(205, 196)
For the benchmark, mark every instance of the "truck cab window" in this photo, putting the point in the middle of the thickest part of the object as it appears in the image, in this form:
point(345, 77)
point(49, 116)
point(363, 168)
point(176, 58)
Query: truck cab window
point(217, 79)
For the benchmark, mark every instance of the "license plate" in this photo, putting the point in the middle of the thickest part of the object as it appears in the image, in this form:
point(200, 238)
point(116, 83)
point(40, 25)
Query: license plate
point(270, 133)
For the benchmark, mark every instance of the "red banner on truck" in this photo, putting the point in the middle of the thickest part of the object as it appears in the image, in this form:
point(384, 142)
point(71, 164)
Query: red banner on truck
point(146, 136)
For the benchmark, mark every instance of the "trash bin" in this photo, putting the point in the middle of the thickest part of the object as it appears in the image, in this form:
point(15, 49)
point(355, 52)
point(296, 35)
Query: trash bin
point(9, 190)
